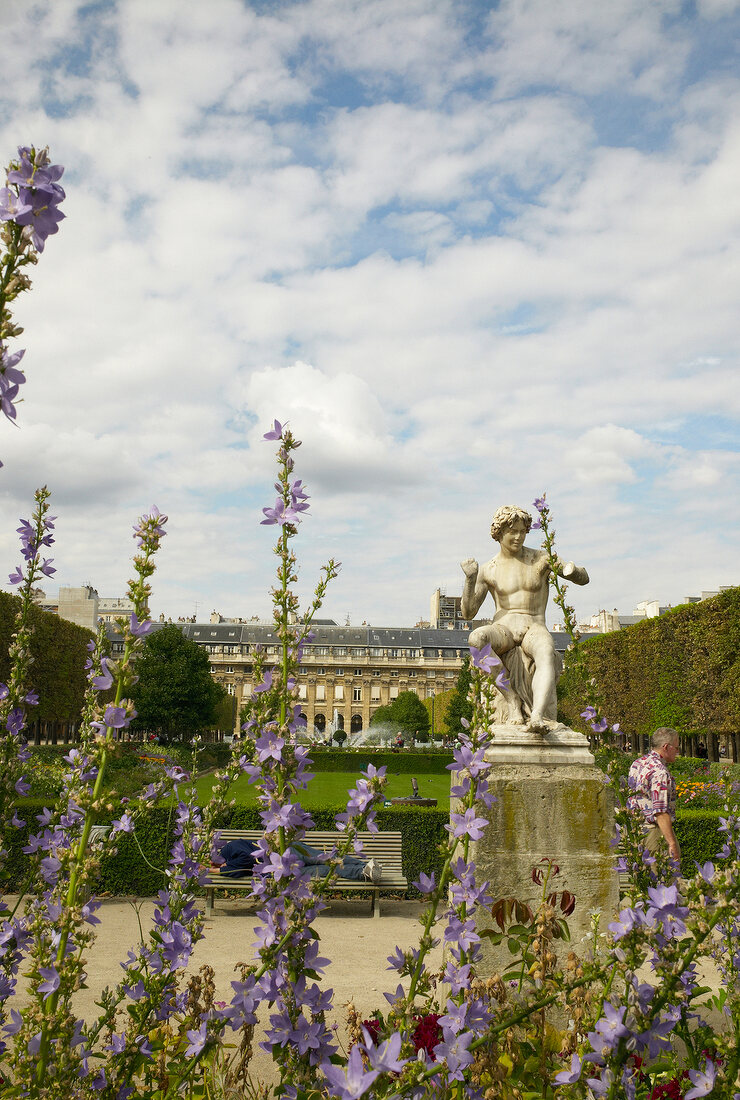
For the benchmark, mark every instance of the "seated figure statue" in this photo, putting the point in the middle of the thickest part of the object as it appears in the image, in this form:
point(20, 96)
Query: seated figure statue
point(517, 578)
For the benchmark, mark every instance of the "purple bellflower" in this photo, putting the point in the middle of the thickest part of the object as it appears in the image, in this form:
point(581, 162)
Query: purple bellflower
point(484, 658)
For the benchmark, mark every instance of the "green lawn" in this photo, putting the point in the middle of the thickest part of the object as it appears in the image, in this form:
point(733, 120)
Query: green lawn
point(330, 789)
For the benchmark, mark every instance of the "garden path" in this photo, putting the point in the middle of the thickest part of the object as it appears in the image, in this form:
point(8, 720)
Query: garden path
point(357, 945)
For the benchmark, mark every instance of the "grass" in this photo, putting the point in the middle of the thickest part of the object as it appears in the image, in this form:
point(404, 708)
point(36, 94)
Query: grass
point(330, 789)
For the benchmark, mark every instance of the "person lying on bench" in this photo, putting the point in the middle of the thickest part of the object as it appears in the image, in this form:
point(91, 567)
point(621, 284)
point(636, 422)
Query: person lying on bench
point(352, 867)
point(236, 859)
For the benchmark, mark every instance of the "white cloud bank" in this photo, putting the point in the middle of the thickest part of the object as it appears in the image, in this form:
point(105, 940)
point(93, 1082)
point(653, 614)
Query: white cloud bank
point(470, 256)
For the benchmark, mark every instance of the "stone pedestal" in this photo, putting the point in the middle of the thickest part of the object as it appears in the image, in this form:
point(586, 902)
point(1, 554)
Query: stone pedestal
point(552, 801)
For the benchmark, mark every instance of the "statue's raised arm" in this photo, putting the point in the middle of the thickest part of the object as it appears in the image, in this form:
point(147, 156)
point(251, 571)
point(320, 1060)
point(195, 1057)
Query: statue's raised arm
point(517, 578)
point(474, 591)
point(572, 572)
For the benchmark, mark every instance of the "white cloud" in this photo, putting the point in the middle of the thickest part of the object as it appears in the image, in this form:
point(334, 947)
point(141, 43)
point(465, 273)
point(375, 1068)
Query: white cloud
point(405, 233)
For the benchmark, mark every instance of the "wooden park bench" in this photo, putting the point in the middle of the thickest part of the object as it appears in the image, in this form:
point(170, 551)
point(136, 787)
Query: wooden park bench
point(383, 847)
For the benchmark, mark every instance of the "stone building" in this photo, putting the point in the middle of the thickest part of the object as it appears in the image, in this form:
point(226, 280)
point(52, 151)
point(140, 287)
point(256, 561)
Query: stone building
point(346, 672)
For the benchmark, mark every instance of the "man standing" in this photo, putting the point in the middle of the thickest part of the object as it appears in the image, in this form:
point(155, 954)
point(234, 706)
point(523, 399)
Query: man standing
point(653, 791)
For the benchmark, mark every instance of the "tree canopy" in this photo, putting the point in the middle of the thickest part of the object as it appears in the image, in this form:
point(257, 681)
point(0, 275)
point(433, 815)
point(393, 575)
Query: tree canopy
point(175, 694)
point(459, 706)
point(59, 650)
point(407, 713)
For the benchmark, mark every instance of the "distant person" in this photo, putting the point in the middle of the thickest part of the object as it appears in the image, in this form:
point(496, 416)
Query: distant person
point(399, 740)
point(653, 792)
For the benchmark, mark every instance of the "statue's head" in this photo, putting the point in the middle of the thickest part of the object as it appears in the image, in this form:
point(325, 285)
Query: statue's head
point(505, 517)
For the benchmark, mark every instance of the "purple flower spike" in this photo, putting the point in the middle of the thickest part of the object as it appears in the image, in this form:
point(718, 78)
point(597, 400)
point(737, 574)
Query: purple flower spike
point(105, 680)
point(569, 1077)
point(51, 980)
point(484, 659)
point(706, 871)
point(539, 502)
point(355, 1082)
point(703, 1082)
point(197, 1040)
point(275, 432)
point(266, 683)
point(139, 629)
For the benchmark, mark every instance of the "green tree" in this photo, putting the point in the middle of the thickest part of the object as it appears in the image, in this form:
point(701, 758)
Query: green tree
point(175, 693)
point(406, 713)
point(382, 716)
point(459, 706)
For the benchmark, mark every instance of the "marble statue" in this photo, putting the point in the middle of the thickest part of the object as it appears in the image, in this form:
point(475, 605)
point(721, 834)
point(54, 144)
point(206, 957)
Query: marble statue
point(517, 578)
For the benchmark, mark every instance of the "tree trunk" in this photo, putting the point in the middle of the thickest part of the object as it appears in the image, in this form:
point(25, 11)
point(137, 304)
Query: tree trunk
point(712, 748)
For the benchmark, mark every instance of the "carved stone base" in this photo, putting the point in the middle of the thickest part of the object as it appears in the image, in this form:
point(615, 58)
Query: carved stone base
point(552, 802)
point(518, 745)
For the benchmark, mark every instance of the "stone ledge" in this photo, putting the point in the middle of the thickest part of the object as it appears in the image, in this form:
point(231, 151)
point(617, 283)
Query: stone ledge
point(516, 745)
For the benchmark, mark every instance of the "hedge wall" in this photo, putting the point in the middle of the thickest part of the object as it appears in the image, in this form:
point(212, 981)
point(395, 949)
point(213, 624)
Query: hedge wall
point(698, 835)
point(403, 762)
point(59, 654)
point(137, 866)
point(681, 669)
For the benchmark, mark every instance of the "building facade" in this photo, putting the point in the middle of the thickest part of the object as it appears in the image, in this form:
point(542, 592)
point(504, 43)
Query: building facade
point(346, 672)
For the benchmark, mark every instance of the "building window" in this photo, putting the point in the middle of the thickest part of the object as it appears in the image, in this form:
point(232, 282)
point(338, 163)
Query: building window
point(376, 652)
point(412, 672)
point(358, 672)
point(229, 668)
point(321, 650)
point(431, 674)
point(339, 692)
point(320, 693)
point(357, 695)
point(375, 693)
point(376, 672)
point(246, 690)
point(302, 692)
point(450, 674)
point(340, 651)
point(394, 672)
point(358, 652)
point(394, 691)
point(230, 689)
point(339, 672)
point(320, 671)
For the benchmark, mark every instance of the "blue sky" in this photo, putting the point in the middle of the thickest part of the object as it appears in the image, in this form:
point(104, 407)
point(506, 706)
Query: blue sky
point(470, 251)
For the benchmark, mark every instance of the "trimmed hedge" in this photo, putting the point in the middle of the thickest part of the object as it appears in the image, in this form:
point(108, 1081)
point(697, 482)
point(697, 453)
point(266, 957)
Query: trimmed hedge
point(59, 650)
point(681, 669)
point(698, 835)
point(137, 867)
point(406, 761)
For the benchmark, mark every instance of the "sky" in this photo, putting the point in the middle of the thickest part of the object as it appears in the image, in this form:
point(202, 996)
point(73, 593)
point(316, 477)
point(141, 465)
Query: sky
point(471, 252)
